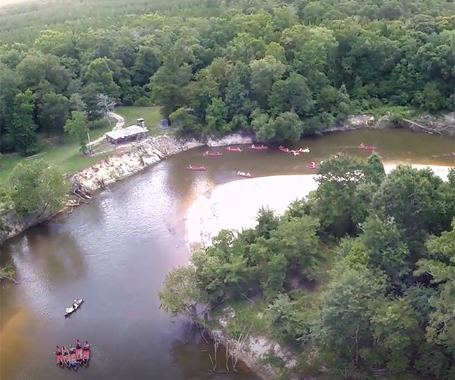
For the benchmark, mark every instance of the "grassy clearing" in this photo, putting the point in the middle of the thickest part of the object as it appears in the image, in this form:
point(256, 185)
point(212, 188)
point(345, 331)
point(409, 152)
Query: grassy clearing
point(151, 116)
point(66, 157)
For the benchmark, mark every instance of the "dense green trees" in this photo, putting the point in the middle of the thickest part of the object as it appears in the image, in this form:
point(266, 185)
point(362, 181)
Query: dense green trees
point(278, 69)
point(387, 303)
point(36, 189)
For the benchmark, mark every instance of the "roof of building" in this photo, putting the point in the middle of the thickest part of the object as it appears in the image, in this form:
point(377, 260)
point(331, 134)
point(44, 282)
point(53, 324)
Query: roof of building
point(126, 132)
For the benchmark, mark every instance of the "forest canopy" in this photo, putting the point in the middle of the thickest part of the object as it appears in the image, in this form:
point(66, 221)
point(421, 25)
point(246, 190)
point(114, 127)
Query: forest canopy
point(280, 70)
point(359, 278)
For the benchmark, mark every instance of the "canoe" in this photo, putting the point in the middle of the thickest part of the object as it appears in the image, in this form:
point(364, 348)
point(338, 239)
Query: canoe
point(66, 357)
point(229, 149)
point(295, 152)
point(449, 155)
point(213, 154)
point(283, 149)
point(59, 357)
point(70, 310)
point(366, 147)
point(196, 168)
point(259, 147)
point(311, 167)
point(243, 174)
point(73, 359)
point(304, 150)
point(86, 354)
point(78, 351)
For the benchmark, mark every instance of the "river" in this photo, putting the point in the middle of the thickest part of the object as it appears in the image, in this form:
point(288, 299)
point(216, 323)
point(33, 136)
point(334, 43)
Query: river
point(115, 252)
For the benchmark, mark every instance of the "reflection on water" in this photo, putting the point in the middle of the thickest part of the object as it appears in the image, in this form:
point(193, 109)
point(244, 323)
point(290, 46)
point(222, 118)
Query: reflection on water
point(115, 252)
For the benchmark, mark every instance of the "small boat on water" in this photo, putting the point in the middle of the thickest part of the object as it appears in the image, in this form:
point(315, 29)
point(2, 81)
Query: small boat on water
point(66, 357)
point(212, 154)
point(76, 305)
point(451, 154)
point(304, 150)
point(259, 147)
point(296, 152)
point(313, 166)
point(73, 358)
point(229, 149)
point(86, 353)
point(196, 168)
point(59, 356)
point(283, 149)
point(243, 174)
point(79, 352)
point(366, 147)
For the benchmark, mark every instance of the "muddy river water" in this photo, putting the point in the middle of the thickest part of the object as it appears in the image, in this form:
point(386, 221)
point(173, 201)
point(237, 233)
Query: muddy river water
point(115, 252)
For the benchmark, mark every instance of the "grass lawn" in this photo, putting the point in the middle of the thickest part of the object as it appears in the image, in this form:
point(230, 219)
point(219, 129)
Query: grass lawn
point(151, 116)
point(67, 156)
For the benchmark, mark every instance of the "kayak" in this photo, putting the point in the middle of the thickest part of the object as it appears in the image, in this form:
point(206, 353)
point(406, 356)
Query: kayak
point(229, 149)
point(86, 353)
point(66, 357)
point(196, 168)
point(366, 147)
point(283, 149)
point(259, 147)
point(243, 174)
point(76, 305)
point(213, 154)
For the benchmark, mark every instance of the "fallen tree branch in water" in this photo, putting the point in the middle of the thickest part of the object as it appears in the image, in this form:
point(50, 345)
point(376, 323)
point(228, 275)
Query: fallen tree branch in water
point(7, 273)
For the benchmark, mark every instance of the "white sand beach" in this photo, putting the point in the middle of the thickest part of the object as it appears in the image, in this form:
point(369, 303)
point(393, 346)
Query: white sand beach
point(235, 205)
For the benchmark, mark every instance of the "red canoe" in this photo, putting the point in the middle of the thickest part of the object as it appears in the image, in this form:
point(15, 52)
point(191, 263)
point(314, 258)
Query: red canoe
point(196, 168)
point(73, 358)
point(213, 154)
point(283, 149)
point(259, 147)
point(78, 351)
point(366, 147)
point(86, 353)
point(60, 361)
point(229, 149)
point(66, 357)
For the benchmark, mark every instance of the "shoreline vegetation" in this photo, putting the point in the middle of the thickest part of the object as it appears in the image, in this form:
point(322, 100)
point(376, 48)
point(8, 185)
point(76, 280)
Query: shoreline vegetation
point(337, 285)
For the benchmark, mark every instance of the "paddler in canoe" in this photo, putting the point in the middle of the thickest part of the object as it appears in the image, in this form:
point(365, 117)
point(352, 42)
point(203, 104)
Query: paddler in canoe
point(58, 351)
point(86, 345)
point(78, 344)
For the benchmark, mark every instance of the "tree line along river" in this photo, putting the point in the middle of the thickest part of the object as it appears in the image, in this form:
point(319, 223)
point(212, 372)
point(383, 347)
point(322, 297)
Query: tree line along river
point(115, 252)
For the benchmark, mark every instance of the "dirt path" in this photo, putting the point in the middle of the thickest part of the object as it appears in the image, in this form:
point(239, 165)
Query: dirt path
point(118, 125)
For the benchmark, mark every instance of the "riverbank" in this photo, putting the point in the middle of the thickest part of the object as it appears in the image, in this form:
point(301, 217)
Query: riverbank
point(234, 206)
point(120, 165)
point(133, 158)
